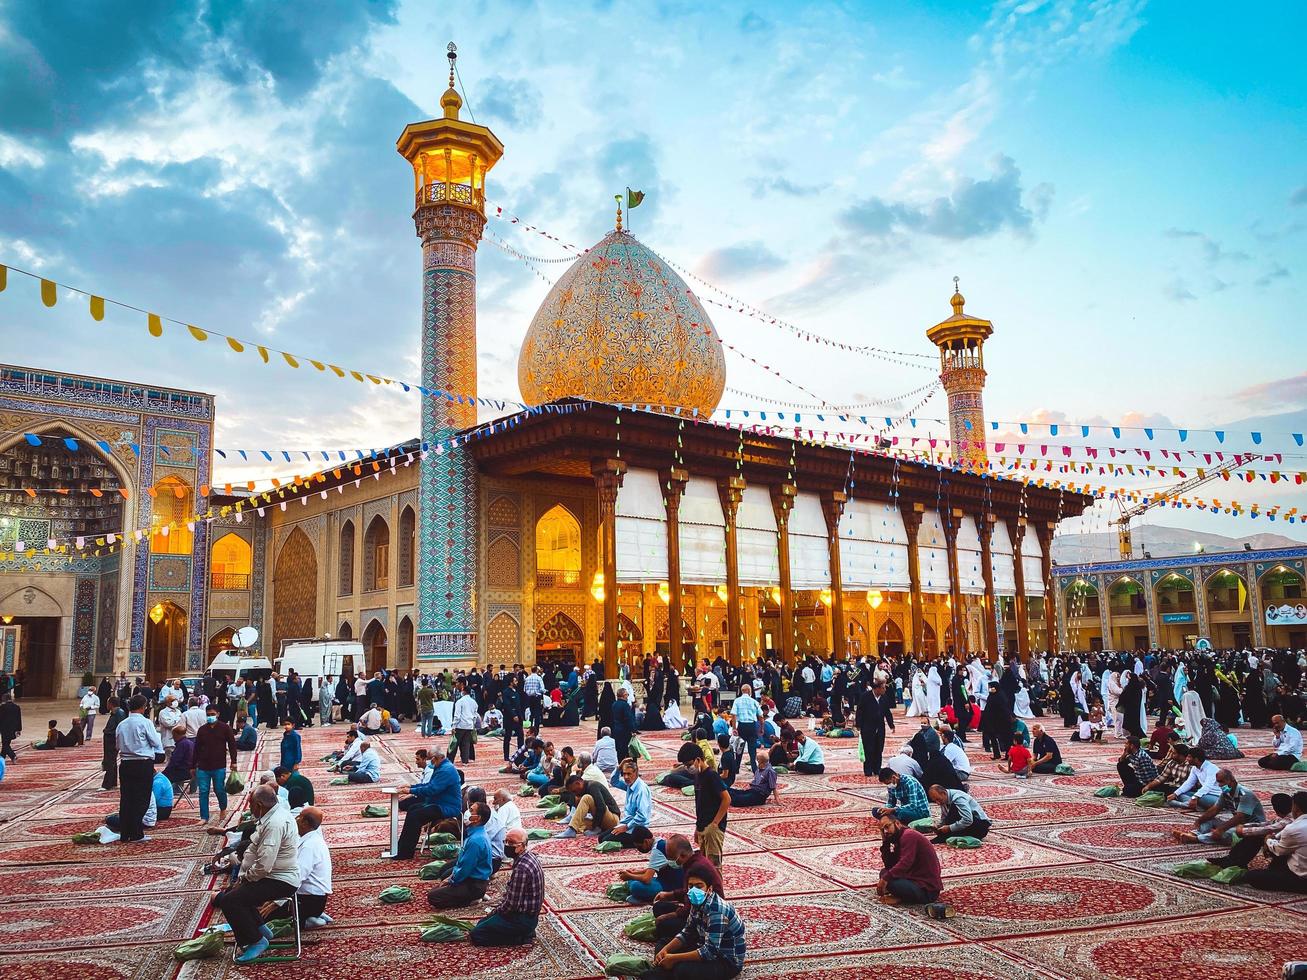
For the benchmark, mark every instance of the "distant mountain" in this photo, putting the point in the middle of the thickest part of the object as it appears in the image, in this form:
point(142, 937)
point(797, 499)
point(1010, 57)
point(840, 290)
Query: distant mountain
point(1158, 541)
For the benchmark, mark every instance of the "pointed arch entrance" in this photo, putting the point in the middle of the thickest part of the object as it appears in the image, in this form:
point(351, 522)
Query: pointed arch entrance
point(559, 638)
point(294, 591)
point(165, 642)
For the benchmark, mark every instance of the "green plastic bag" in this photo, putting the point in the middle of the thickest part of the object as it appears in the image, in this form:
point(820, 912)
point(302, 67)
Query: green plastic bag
point(1108, 791)
point(660, 777)
point(280, 927)
point(434, 839)
point(527, 790)
point(435, 870)
point(687, 790)
point(641, 928)
point(339, 781)
point(1195, 870)
point(199, 948)
point(463, 925)
point(234, 783)
point(967, 843)
point(444, 852)
point(618, 891)
point(396, 894)
point(638, 749)
point(89, 837)
point(626, 965)
point(442, 934)
point(556, 812)
point(1230, 876)
point(553, 799)
point(785, 770)
point(608, 846)
point(923, 825)
point(1064, 770)
point(1300, 766)
point(376, 810)
point(1151, 799)
point(538, 834)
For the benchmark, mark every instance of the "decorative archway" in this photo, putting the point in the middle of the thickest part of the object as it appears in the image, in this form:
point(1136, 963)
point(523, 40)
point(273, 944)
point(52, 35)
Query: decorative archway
point(1175, 595)
point(502, 643)
point(404, 641)
point(376, 555)
point(1081, 599)
point(558, 549)
point(407, 547)
point(294, 592)
point(165, 642)
point(929, 641)
point(346, 631)
point(231, 560)
point(1226, 591)
point(345, 585)
point(219, 642)
point(627, 631)
point(559, 635)
point(889, 639)
point(374, 646)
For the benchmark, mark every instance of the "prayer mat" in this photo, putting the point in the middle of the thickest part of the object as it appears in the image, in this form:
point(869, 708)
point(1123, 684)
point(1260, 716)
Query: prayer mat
point(367, 862)
point(745, 876)
point(1054, 899)
point(1046, 810)
point(170, 846)
point(844, 922)
point(398, 951)
point(1119, 839)
point(791, 831)
point(1251, 945)
point(359, 833)
point(67, 880)
point(1164, 867)
point(46, 830)
point(91, 963)
point(95, 921)
point(796, 803)
point(969, 962)
point(1085, 780)
point(354, 901)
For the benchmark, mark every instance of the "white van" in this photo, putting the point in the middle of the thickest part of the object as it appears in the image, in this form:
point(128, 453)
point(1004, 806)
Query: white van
point(315, 659)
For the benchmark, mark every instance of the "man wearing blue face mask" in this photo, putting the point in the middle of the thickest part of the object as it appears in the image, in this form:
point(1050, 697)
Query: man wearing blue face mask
point(711, 946)
point(214, 742)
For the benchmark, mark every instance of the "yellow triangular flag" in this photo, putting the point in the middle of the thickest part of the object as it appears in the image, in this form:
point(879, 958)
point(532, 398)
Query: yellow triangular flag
point(290, 360)
point(235, 345)
point(263, 353)
point(318, 364)
point(197, 333)
point(339, 372)
point(4, 277)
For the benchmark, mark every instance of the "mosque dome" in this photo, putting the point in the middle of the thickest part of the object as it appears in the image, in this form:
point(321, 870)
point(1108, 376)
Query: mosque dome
point(620, 326)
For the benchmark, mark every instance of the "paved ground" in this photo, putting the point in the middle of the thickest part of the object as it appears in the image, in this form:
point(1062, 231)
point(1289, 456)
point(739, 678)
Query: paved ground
point(1067, 885)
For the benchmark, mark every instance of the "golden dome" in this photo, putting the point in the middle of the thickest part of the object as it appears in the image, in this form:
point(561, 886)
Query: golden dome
point(622, 327)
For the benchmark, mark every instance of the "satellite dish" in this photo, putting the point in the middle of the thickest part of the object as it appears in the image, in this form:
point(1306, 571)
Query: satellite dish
point(245, 637)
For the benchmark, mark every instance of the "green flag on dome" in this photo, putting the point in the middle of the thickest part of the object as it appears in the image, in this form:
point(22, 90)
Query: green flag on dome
point(633, 198)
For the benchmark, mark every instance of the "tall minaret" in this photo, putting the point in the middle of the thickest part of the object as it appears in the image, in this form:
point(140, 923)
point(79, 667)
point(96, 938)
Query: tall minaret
point(450, 159)
point(961, 339)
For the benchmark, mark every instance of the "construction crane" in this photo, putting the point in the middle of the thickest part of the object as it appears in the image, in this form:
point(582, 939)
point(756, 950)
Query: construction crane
point(1122, 523)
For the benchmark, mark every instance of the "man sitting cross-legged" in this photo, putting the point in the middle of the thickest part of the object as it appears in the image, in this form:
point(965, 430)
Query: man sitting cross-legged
point(761, 788)
point(662, 874)
point(1241, 803)
point(911, 867)
point(907, 797)
point(595, 812)
point(513, 921)
point(711, 944)
point(471, 875)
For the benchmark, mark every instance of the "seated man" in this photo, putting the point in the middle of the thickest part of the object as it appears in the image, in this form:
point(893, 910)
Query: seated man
point(1047, 756)
point(1135, 767)
point(907, 797)
point(371, 721)
point(348, 760)
point(368, 768)
point(471, 875)
point(513, 921)
point(525, 759)
point(761, 788)
point(559, 772)
point(1288, 746)
point(505, 817)
point(1172, 771)
point(299, 790)
point(51, 740)
point(811, 760)
point(661, 875)
point(75, 735)
point(269, 871)
point(672, 908)
point(181, 764)
point(595, 812)
point(160, 808)
point(1288, 851)
point(334, 759)
point(439, 797)
point(904, 764)
point(911, 867)
point(540, 775)
point(604, 754)
point(711, 944)
point(248, 739)
point(1239, 801)
point(314, 860)
point(1199, 790)
point(639, 805)
point(681, 774)
point(961, 815)
point(1252, 836)
point(951, 747)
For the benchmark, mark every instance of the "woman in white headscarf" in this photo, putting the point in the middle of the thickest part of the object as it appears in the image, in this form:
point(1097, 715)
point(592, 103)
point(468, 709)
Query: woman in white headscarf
point(1192, 714)
point(672, 716)
point(1113, 689)
point(933, 684)
point(919, 704)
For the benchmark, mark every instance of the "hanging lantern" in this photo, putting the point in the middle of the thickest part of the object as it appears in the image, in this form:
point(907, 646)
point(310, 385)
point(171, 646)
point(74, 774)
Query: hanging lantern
point(722, 593)
point(776, 594)
point(597, 587)
point(156, 614)
point(874, 598)
point(826, 597)
point(664, 593)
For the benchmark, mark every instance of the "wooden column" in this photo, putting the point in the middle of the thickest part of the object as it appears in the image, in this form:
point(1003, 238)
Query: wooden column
point(985, 528)
point(956, 620)
point(674, 481)
point(912, 524)
point(782, 502)
point(1045, 529)
point(832, 506)
point(1016, 530)
point(731, 491)
point(608, 479)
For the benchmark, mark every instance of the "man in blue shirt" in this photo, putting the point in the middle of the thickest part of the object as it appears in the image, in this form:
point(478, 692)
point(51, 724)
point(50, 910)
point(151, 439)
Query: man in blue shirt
point(437, 797)
point(747, 712)
point(639, 806)
point(811, 760)
point(138, 743)
point(368, 769)
point(471, 875)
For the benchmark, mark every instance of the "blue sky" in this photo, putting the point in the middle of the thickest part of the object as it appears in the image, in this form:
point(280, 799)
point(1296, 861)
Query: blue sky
point(1119, 185)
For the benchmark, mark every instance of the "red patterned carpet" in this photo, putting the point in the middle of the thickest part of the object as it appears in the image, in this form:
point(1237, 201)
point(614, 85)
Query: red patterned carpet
point(1067, 885)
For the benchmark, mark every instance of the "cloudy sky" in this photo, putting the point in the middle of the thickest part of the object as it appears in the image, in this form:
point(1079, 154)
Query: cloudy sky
point(1120, 187)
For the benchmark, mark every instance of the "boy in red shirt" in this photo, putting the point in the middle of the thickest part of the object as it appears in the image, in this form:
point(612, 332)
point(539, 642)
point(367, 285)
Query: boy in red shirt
point(1018, 760)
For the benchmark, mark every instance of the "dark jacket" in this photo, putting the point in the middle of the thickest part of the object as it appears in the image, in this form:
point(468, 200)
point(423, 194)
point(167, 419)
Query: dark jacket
point(213, 743)
point(11, 718)
point(912, 858)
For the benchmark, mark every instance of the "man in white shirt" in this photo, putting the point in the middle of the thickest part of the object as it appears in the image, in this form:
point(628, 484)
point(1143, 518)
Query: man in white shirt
point(956, 755)
point(193, 717)
point(353, 749)
point(90, 705)
point(370, 723)
point(314, 859)
point(605, 753)
point(1288, 848)
point(492, 719)
point(168, 719)
point(504, 817)
point(1288, 746)
point(466, 716)
point(1200, 790)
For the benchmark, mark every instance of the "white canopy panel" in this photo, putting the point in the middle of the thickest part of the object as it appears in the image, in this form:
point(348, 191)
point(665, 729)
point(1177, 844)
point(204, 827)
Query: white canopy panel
point(702, 534)
point(641, 529)
point(932, 554)
point(1000, 553)
point(755, 539)
point(971, 571)
point(873, 547)
point(809, 548)
point(1032, 563)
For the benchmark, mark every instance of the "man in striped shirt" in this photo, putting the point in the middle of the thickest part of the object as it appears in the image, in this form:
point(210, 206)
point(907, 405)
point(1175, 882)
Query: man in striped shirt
point(1135, 767)
point(711, 946)
point(513, 921)
point(907, 797)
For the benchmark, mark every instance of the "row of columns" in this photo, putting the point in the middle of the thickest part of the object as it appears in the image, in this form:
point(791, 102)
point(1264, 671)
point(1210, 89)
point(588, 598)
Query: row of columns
point(608, 475)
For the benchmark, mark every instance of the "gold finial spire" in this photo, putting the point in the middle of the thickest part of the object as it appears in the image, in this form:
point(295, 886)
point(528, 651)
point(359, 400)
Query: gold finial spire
point(451, 101)
point(618, 199)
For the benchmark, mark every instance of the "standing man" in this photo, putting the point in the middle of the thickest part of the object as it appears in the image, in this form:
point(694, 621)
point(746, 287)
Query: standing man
point(513, 921)
point(623, 724)
point(875, 711)
point(11, 726)
point(711, 803)
point(137, 743)
point(466, 716)
point(746, 711)
point(513, 706)
point(534, 688)
point(214, 742)
point(90, 707)
point(109, 760)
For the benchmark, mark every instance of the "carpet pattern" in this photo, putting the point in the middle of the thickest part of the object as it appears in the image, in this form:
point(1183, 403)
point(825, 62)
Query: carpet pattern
point(100, 921)
point(67, 880)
